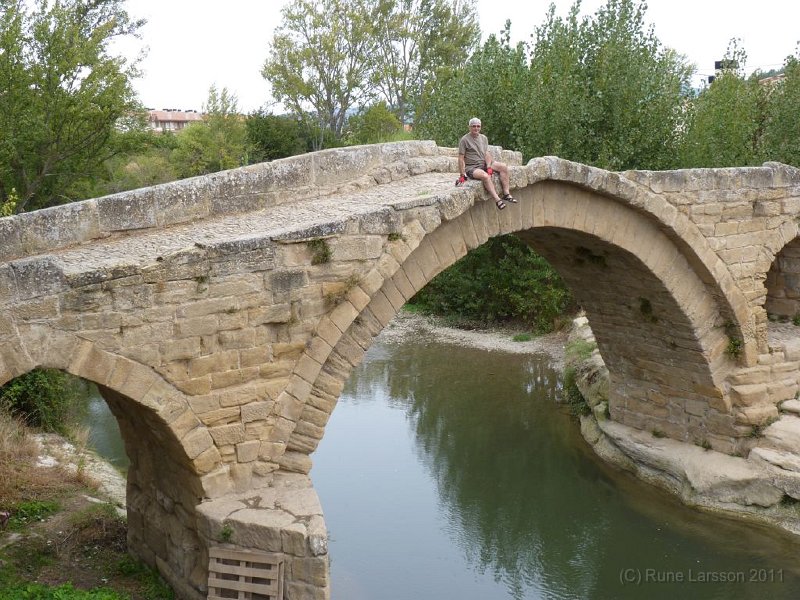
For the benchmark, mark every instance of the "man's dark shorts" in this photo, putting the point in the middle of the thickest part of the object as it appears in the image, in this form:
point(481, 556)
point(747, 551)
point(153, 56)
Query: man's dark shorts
point(469, 172)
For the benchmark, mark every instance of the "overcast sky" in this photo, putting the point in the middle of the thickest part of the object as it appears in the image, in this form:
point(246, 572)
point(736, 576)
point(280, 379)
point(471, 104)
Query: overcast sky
point(192, 46)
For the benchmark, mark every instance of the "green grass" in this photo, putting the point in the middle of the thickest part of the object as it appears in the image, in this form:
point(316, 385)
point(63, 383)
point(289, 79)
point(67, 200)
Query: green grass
point(26, 513)
point(522, 337)
point(579, 350)
point(38, 591)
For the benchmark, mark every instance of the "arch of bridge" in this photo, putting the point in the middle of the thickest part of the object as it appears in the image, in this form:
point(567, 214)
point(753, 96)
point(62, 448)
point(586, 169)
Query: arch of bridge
point(660, 301)
point(224, 359)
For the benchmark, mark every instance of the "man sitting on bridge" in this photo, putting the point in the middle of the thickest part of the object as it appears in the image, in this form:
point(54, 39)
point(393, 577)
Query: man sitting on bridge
point(476, 162)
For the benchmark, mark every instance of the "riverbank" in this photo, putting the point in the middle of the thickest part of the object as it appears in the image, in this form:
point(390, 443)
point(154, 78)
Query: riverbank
point(747, 488)
point(63, 526)
point(498, 339)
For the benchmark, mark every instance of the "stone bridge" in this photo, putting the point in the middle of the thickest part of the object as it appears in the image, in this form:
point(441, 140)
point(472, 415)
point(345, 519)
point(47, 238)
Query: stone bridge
point(221, 316)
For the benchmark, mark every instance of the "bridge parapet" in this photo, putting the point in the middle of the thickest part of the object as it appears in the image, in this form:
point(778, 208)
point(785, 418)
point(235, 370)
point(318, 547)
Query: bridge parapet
point(256, 187)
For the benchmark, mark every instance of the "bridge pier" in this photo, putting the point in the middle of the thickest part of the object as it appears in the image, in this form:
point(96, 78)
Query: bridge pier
point(279, 528)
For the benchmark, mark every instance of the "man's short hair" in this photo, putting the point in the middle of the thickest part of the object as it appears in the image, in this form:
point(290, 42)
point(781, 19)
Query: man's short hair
point(474, 121)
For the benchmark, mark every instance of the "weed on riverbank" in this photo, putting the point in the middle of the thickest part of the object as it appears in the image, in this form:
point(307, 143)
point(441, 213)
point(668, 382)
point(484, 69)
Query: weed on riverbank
point(59, 540)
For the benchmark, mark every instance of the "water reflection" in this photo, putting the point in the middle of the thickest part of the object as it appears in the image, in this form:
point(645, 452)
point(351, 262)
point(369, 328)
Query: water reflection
point(104, 434)
point(485, 473)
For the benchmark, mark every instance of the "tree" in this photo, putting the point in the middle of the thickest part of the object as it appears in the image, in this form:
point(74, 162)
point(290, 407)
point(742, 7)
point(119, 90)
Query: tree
point(725, 122)
point(272, 136)
point(63, 91)
point(782, 131)
point(320, 61)
point(418, 43)
point(373, 125)
point(493, 86)
point(600, 90)
point(216, 144)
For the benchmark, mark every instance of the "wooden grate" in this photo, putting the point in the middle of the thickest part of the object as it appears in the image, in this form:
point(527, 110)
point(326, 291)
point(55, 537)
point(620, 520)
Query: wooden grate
point(244, 575)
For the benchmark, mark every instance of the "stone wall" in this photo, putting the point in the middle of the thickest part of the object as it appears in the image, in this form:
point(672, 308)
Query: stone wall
point(223, 315)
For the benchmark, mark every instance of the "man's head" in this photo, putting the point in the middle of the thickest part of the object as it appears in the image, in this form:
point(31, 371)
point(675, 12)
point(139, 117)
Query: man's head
point(474, 125)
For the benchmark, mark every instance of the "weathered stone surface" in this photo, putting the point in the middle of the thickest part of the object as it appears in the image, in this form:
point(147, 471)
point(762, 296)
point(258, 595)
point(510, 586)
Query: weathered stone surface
point(202, 304)
point(710, 475)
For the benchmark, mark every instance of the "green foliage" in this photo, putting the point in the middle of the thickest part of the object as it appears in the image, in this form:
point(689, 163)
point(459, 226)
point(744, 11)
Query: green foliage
point(522, 337)
point(578, 350)
point(44, 398)
point(782, 131)
point(734, 348)
point(320, 60)
point(26, 513)
point(226, 533)
point(502, 280)
point(571, 395)
point(145, 160)
point(270, 137)
point(492, 85)
point(330, 56)
point(9, 206)
point(216, 144)
point(320, 251)
point(38, 591)
point(418, 44)
point(154, 587)
point(599, 90)
point(725, 122)
point(63, 92)
point(376, 124)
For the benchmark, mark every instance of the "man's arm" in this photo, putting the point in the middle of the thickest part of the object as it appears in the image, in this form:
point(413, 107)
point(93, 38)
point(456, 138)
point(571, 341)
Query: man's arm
point(462, 167)
point(488, 159)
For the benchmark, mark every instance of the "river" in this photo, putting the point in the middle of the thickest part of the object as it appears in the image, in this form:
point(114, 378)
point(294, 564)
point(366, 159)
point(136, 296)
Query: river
point(449, 472)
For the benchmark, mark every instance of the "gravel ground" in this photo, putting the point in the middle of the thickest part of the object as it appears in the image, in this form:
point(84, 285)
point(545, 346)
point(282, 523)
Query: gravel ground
point(407, 324)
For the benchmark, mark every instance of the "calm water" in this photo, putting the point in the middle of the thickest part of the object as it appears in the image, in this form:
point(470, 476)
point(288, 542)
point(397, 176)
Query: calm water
point(450, 473)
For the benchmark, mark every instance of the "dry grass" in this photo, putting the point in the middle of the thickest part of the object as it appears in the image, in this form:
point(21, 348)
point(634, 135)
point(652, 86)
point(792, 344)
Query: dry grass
point(20, 481)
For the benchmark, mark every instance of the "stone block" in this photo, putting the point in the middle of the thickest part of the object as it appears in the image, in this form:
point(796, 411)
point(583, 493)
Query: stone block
point(196, 442)
point(256, 411)
point(307, 368)
point(38, 276)
point(343, 315)
point(227, 435)
point(131, 210)
point(215, 363)
point(57, 227)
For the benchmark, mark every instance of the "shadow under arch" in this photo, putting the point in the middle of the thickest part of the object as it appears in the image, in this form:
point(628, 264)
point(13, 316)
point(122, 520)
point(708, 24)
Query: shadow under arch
point(165, 474)
point(658, 322)
point(783, 282)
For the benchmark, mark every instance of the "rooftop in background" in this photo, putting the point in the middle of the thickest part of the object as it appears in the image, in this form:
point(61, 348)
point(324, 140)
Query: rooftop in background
point(171, 119)
point(774, 79)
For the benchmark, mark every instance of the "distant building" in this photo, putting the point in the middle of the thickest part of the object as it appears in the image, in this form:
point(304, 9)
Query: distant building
point(171, 119)
point(773, 80)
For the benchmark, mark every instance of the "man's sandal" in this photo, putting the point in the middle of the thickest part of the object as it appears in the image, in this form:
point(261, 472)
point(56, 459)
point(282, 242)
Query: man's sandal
point(500, 204)
point(509, 198)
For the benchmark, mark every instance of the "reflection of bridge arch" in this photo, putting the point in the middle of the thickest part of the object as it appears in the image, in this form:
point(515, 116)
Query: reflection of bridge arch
point(658, 322)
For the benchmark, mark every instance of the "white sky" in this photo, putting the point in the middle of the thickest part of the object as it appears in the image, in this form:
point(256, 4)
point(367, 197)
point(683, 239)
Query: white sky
point(192, 47)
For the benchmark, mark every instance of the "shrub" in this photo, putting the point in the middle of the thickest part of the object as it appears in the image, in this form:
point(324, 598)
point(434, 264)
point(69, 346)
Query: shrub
point(503, 280)
point(43, 398)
